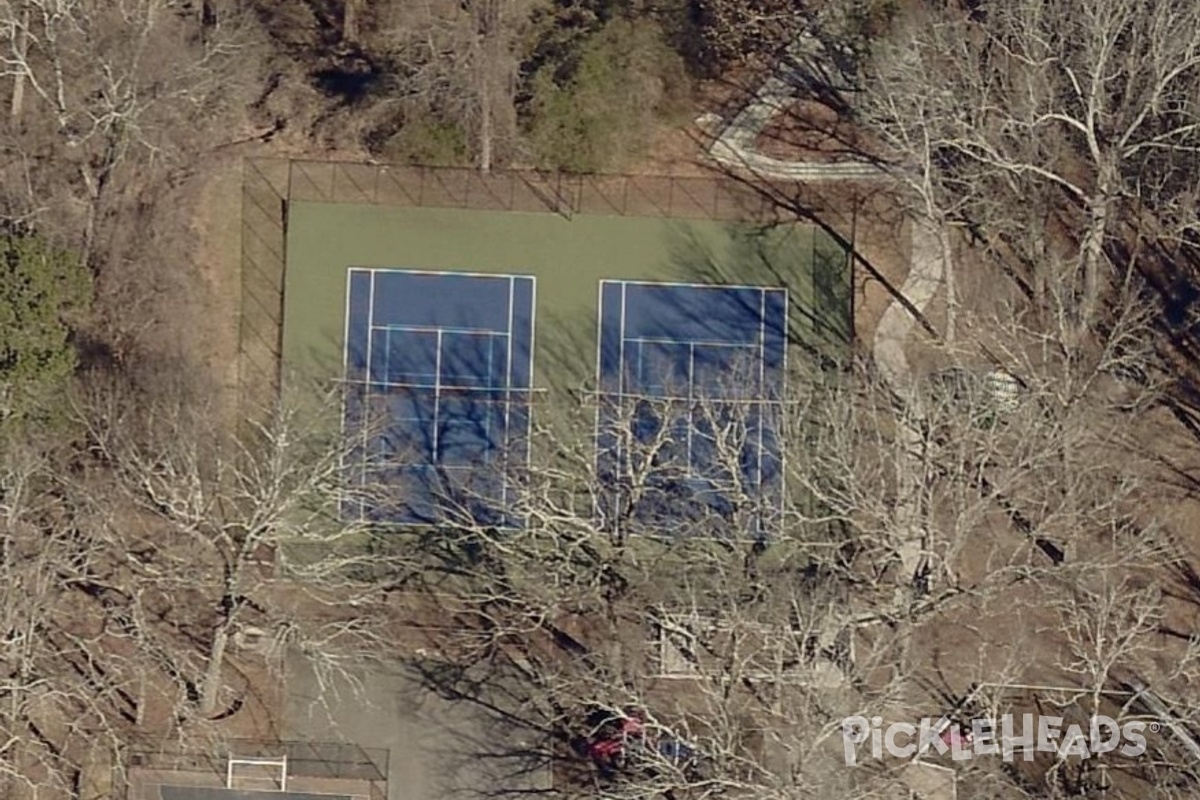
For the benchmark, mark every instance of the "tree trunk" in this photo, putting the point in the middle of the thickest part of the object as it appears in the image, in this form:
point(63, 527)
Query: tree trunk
point(1092, 256)
point(350, 17)
point(139, 715)
point(485, 124)
point(95, 191)
point(96, 180)
point(211, 684)
point(486, 60)
point(18, 92)
point(1041, 266)
point(948, 279)
point(1070, 497)
point(208, 19)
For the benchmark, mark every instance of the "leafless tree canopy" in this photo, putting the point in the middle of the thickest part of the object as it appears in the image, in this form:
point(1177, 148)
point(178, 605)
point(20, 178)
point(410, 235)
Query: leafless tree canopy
point(1007, 533)
point(1035, 563)
point(1060, 132)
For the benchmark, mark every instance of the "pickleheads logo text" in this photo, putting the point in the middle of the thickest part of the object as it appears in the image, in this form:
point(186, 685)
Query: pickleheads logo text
point(1004, 736)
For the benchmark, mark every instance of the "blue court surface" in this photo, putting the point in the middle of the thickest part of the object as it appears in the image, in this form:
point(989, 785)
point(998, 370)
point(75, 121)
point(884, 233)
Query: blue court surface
point(438, 375)
point(689, 379)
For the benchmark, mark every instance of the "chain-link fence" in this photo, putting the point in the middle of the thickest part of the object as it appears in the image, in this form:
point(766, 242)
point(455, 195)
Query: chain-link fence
point(320, 761)
point(429, 187)
point(270, 185)
point(264, 223)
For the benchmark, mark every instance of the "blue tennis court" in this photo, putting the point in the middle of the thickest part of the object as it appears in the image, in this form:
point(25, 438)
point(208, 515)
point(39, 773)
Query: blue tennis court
point(689, 376)
point(438, 375)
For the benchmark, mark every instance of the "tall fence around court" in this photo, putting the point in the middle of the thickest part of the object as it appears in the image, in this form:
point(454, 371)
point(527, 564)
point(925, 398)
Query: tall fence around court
point(532, 191)
point(269, 185)
point(264, 258)
point(315, 761)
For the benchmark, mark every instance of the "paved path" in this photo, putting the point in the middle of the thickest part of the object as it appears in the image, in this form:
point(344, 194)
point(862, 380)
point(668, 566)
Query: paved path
point(735, 148)
point(924, 280)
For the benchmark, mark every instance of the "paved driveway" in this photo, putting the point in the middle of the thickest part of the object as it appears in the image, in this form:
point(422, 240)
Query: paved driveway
point(438, 749)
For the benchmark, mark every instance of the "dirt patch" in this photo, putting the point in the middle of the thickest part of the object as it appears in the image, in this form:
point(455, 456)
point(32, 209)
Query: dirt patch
point(809, 131)
point(678, 150)
point(218, 227)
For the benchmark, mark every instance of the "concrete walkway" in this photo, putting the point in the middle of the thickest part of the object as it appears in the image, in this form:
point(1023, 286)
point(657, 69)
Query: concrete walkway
point(438, 749)
point(735, 148)
point(925, 277)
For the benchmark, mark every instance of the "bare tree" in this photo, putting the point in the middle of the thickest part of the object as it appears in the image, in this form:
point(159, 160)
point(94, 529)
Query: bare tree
point(152, 573)
point(734, 660)
point(254, 526)
point(459, 61)
point(112, 81)
point(351, 14)
point(1080, 105)
point(665, 618)
point(68, 686)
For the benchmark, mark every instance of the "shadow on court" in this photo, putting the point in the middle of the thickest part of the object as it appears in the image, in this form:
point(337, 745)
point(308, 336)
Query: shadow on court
point(815, 271)
point(439, 368)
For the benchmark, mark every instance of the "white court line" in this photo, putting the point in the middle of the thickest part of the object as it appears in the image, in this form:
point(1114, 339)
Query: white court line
point(787, 307)
point(389, 329)
point(762, 380)
point(437, 396)
point(621, 385)
point(690, 342)
point(686, 285)
point(759, 347)
point(691, 422)
point(641, 363)
point(529, 377)
point(623, 392)
point(400, 326)
point(599, 383)
point(730, 401)
point(440, 332)
point(381, 441)
point(442, 272)
point(512, 284)
point(366, 445)
point(342, 470)
point(447, 388)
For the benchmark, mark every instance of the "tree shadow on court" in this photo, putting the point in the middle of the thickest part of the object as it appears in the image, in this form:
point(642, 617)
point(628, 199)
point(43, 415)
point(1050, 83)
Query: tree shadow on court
point(566, 353)
point(814, 269)
point(418, 453)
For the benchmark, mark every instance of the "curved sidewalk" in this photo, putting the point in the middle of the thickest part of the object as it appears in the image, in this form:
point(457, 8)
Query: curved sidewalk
point(735, 148)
